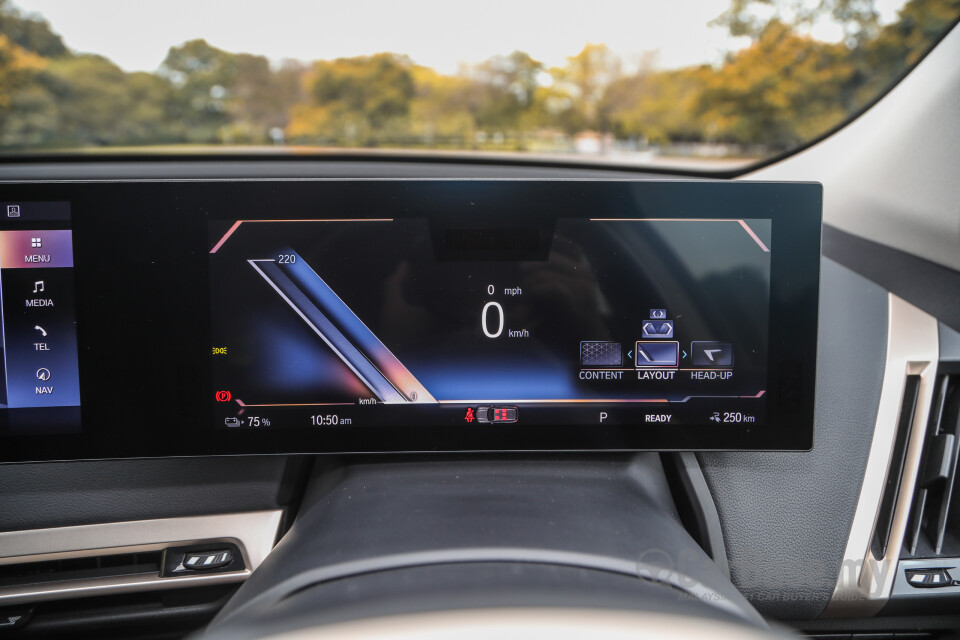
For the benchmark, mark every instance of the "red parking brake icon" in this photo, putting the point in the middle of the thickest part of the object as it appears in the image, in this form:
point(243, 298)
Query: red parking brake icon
point(469, 416)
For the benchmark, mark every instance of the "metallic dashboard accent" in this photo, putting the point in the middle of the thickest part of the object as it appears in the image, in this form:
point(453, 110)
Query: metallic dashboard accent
point(865, 581)
point(254, 533)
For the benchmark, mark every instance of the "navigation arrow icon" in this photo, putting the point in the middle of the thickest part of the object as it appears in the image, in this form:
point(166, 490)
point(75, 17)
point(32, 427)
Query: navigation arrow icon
point(711, 354)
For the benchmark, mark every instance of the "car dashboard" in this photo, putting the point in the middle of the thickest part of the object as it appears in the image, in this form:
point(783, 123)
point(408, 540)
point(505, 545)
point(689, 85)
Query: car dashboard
point(828, 512)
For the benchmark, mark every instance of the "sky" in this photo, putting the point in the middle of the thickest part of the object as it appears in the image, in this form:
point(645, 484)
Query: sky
point(438, 33)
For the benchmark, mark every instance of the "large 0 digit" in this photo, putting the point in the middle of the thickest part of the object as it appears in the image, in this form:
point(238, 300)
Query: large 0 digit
point(483, 319)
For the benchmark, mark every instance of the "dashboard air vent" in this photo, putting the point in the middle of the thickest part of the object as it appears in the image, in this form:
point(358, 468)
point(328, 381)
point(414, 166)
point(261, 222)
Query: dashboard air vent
point(881, 531)
point(933, 529)
point(120, 564)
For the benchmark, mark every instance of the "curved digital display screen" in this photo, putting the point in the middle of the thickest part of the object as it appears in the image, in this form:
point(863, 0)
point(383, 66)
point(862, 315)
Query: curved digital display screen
point(594, 321)
point(350, 316)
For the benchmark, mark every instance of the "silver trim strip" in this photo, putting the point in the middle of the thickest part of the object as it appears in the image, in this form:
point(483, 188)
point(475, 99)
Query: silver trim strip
point(254, 533)
point(865, 581)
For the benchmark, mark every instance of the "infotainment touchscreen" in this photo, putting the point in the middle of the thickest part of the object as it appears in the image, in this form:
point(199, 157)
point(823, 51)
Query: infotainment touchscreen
point(39, 380)
point(254, 317)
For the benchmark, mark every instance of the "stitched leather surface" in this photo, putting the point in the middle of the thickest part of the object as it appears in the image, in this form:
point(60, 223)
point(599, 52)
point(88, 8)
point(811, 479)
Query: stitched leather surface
point(786, 516)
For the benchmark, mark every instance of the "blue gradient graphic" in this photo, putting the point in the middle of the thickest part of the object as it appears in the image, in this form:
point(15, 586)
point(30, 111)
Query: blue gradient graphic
point(466, 382)
point(297, 361)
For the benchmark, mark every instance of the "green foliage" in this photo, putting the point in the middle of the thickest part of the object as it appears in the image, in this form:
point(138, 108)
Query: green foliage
point(98, 104)
point(504, 90)
point(584, 81)
point(32, 34)
point(899, 45)
point(781, 90)
point(751, 18)
point(354, 101)
point(659, 107)
point(201, 75)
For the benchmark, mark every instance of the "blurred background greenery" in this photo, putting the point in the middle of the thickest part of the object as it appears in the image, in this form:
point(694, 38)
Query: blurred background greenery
point(781, 90)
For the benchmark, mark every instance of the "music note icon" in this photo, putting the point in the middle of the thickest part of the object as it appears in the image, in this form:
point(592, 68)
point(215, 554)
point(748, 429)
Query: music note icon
point(38, 286)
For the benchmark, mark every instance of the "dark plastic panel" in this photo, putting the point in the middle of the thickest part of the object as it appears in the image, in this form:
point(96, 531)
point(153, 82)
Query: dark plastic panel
point(606, 514)
point(160, 615)
point(59, 494)
point(928, 285)
point(696, 506)
point(786, 516)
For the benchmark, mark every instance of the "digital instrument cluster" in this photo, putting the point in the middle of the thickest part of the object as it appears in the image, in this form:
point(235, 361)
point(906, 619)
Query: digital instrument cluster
point(625, 321)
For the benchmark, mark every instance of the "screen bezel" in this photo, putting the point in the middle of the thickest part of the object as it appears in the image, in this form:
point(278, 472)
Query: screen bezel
point(141, 266)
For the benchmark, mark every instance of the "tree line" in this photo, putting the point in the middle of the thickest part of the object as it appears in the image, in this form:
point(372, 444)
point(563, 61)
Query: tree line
point(782, 89)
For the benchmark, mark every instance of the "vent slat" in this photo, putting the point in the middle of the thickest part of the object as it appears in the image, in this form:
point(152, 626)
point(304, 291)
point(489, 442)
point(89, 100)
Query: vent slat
point(881, 531)
point(943, 517)
point(931, 517)
point(940, 462)
point(922, 490)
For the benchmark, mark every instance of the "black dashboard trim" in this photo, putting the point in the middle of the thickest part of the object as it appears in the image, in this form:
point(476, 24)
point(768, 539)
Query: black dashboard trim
point(928, 285)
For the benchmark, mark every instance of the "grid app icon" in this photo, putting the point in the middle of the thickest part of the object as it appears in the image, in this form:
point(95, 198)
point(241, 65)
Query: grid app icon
point(601, 354)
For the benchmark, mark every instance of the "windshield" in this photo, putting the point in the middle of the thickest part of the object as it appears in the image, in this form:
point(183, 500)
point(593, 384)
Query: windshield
point(698, 84)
